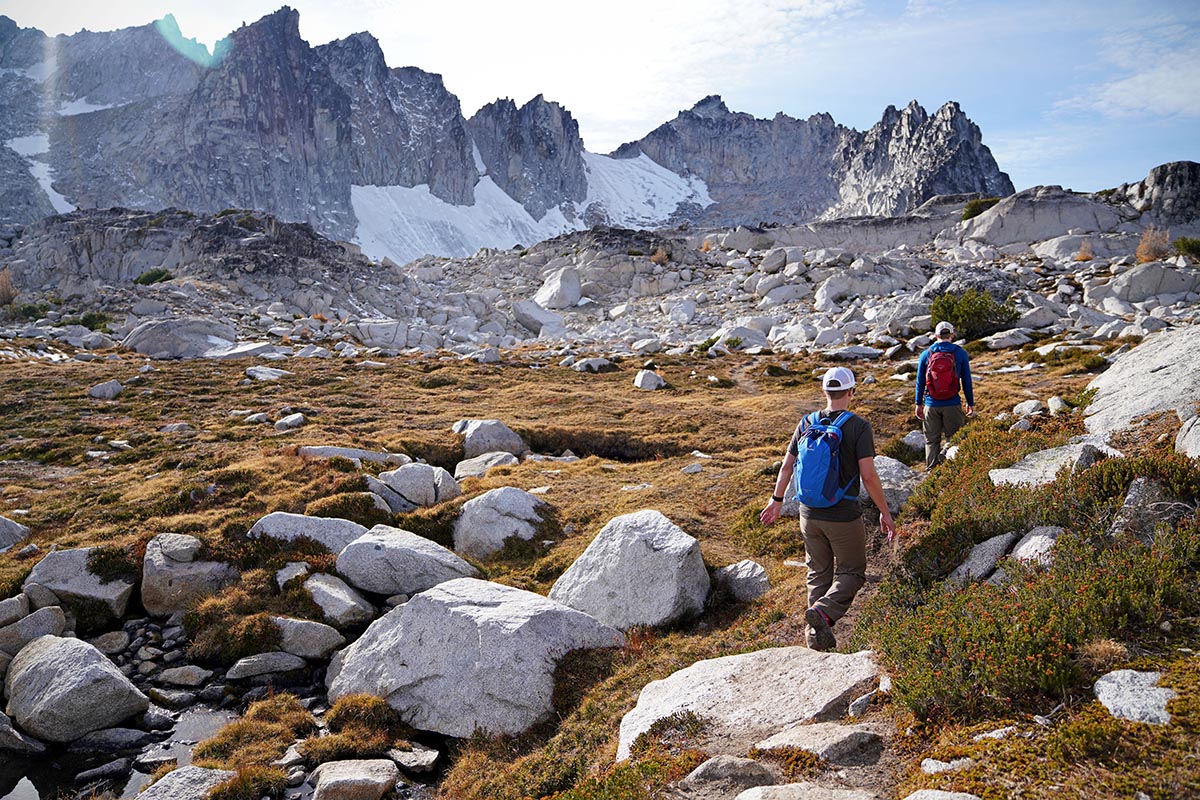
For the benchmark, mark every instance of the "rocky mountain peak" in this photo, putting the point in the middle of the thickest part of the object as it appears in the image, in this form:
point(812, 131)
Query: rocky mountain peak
point(710, 107)
point(534, 153)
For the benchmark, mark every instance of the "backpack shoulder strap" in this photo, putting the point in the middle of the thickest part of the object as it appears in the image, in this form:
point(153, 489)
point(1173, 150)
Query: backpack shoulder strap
point(842, 419)
point(809, 420)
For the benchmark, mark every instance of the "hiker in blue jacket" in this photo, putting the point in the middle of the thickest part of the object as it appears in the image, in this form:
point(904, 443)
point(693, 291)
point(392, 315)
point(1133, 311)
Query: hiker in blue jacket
point(942, 370)
point(835, 538)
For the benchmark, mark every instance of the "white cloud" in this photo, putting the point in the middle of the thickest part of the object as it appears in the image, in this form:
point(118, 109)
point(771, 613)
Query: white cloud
point(1157, 72)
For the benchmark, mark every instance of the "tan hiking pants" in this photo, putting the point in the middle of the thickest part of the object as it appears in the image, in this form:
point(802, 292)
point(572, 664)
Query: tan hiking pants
point(939, 420)
point(836, 556)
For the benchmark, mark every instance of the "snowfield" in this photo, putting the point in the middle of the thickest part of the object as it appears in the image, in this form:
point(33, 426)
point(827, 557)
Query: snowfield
point(403, 223)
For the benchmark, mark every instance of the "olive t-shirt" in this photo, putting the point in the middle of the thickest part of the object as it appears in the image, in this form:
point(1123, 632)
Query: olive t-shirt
point(857, 442)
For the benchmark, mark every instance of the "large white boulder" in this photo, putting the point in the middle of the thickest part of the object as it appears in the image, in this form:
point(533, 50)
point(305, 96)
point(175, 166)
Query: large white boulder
point(48, 621)
point(421, 484)
point(746, 580)
point(172, 579)
point(536, 319)
point(65, 572)
point(805, 790)
point(490, 519)
point(331, 532)
point(561, 289)
point(898, 479)
point(359, 779)
point(186, 783)
point(59, 689)
point(341, 605)
point(641, 569)
point(390, 561)
point(307, 639)
point(1160, 374)
point(189, 337)
point(746, 698)
point(479, 466)
point(467, 655)
point(482, 436)
point(11, 533)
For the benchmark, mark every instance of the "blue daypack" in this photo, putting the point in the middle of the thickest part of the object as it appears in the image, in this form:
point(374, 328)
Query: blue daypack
point(816, 476)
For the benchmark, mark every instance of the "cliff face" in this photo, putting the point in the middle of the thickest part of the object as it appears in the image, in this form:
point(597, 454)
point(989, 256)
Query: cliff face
point(406, 128)
point(266, 127)
point(534, 153)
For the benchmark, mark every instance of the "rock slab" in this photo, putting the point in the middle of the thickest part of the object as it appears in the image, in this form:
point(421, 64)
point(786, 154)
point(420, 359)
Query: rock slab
point(746, 698)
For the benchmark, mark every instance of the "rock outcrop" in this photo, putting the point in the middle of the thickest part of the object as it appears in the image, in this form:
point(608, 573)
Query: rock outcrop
point(485, 659)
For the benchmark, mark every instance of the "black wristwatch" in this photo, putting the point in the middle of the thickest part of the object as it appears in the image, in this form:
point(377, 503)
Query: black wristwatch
point(777, 499)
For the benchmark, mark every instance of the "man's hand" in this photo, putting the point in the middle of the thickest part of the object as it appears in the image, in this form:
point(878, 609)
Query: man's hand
point(770, 513)
point(886, 525)
point(970, 411)
point(919, 412)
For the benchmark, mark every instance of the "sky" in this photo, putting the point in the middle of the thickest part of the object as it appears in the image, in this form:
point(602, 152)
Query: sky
point(1086, 94)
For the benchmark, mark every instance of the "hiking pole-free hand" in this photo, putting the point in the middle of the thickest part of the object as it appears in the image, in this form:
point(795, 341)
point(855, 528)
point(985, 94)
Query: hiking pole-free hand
point(888, 527)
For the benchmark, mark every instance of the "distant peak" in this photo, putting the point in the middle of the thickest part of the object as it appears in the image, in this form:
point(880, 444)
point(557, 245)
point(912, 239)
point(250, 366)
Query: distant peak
point(710, 107)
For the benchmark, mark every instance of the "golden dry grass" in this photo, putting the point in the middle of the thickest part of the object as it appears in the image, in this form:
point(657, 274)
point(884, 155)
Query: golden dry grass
point(216, 481)
point(1154, 245)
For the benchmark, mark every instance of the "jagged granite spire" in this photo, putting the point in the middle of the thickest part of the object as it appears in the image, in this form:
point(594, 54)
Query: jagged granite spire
point(407, 129)
point(534, 153)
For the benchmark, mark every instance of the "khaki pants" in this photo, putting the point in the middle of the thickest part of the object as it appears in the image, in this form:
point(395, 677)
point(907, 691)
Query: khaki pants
point(939, 420)
point(836, 556)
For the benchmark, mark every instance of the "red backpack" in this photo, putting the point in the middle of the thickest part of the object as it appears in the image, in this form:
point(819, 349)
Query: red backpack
point(941, 376)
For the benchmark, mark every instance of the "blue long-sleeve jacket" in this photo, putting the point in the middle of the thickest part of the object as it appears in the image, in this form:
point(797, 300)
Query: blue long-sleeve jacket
point(961, 360)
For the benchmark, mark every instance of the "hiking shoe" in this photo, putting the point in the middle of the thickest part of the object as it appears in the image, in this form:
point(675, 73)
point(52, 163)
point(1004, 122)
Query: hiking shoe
point(810, 637)
point(822, 633)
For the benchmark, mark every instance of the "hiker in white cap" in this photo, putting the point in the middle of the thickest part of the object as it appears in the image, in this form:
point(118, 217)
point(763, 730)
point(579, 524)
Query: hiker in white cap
point(830, 458)
point(942, 370)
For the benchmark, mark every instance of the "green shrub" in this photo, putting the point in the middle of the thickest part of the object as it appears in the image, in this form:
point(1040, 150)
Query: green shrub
point(156, 275)
point(30, 311)
point(973, 313)
point(95, 320)
point(901, 450)
point(984, 649)
point(977, 206)
point(1188, 246)
point(111, 563)
point(357, 507)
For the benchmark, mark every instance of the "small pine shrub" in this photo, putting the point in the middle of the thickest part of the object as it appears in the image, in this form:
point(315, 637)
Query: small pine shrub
point(1153, 245)
point(111, 563)
point(156, 275)
point(30, 311)
point(1184, 246)
point(973, 313)
point(977, 206)
point(95, 320)
point(7, 292)
point(632, 253)
point(660, 257)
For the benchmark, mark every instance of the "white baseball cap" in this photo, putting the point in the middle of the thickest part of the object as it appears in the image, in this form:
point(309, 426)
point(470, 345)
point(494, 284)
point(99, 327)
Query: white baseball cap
point(944, 327)
point(837, 379)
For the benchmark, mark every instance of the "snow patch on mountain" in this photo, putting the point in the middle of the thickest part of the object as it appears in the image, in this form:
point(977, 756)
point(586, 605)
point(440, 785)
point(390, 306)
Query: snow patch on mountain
point(638, 192)
point(81, 106)
point(403, 223)
point(35, 145)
